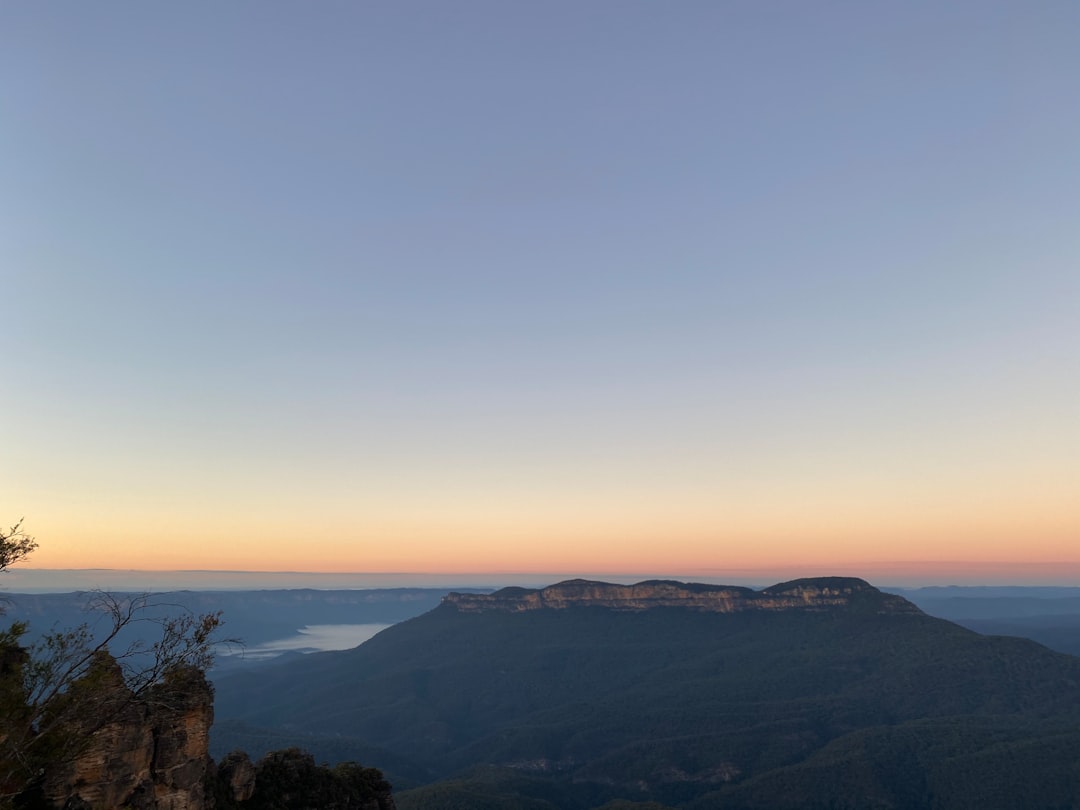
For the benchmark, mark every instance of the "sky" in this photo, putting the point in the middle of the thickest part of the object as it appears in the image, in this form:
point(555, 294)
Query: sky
point(685, 288)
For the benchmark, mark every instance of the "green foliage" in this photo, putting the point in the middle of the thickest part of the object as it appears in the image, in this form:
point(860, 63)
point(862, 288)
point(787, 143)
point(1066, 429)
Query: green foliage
point(290, 780)
point(492, 788)
point(960, 763)
point(463, 795)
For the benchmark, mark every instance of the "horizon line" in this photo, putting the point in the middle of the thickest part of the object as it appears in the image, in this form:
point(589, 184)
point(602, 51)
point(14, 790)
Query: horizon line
point(711, 571)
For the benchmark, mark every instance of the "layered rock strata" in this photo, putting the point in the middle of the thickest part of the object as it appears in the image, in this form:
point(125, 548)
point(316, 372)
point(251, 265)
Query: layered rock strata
point(817, 594)
point(139, 752)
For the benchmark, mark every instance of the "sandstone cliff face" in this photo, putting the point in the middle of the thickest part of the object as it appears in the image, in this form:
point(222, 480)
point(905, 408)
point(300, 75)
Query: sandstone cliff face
point(825, 593)
point(150, 751)
point(237, 773)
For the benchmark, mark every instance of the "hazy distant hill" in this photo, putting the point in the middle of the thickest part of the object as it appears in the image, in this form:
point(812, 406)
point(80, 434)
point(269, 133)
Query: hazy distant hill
point(817, 693)
point(254, 617)
point(1048, 615)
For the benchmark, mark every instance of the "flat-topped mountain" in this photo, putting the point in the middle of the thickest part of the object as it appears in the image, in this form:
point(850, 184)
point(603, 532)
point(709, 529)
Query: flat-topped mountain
point(817, 594)
point(809, 694)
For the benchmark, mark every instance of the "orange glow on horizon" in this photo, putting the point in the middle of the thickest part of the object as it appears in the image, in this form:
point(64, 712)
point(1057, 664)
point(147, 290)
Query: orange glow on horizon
point(653, 531)
point(626, 552)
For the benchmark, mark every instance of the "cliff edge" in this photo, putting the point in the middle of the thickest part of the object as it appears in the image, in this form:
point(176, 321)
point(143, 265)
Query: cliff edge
point(149, 752)
point(813, 594)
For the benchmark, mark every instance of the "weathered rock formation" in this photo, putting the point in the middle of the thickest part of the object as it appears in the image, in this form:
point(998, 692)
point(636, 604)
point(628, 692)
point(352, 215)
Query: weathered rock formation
point(138, 752)
point(236, 775)
point(112, 748)
point(818, 594)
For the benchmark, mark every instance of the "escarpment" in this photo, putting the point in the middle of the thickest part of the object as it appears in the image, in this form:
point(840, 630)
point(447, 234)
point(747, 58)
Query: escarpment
point(814, 594)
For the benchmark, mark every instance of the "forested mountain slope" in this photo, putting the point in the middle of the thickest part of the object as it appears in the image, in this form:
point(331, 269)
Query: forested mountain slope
point(811, 693)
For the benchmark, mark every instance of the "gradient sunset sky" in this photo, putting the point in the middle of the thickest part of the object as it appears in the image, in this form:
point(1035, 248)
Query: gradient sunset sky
point(641, 287)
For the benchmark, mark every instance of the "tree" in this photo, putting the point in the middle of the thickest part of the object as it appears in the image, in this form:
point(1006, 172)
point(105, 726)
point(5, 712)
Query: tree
point(54, 686)
point(15, 544)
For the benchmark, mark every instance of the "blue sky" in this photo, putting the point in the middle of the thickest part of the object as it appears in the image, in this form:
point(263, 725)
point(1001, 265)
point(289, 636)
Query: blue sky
point(547, 286)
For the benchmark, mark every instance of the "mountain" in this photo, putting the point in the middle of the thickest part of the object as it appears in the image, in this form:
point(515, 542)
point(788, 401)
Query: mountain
point(812, 693)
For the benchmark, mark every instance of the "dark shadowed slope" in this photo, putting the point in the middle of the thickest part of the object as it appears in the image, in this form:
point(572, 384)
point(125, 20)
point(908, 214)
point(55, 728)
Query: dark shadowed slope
point(819, 689)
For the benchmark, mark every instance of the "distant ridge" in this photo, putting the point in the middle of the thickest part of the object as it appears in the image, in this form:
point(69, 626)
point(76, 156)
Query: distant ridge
point(812, 594)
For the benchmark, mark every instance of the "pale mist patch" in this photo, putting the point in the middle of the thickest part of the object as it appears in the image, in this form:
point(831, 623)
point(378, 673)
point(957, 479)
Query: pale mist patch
point(314, 638)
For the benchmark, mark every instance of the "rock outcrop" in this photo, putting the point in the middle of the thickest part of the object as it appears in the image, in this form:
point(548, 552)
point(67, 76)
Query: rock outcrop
point(149, 751)
point(236, 775)
point(139, 751)
point(817, 594)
